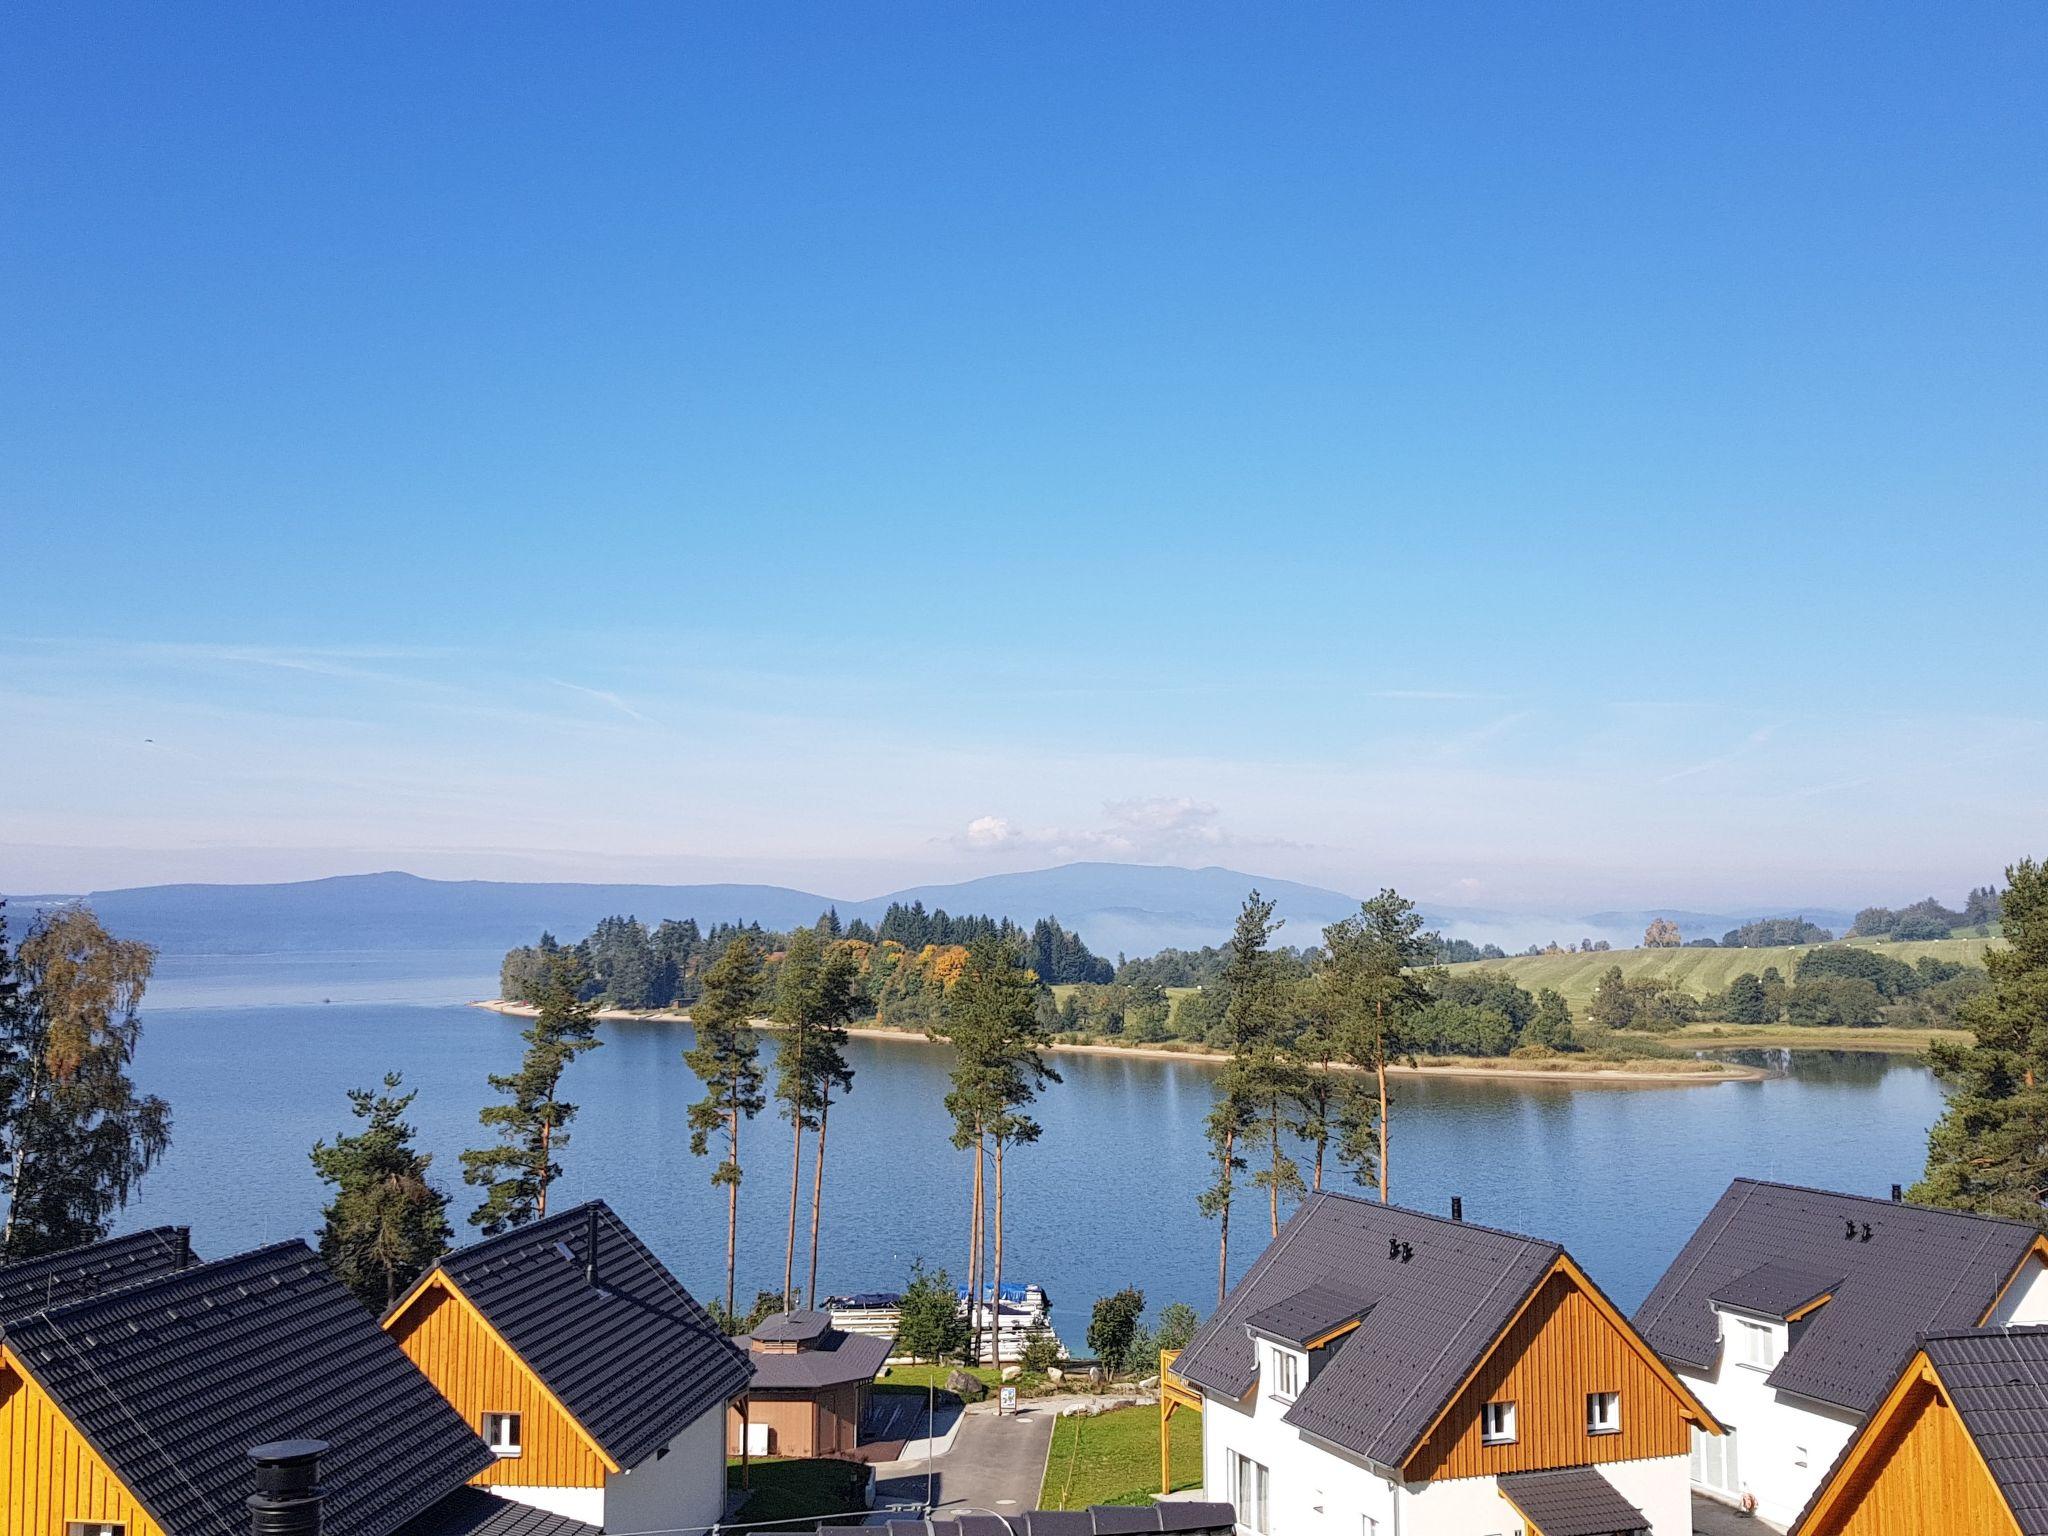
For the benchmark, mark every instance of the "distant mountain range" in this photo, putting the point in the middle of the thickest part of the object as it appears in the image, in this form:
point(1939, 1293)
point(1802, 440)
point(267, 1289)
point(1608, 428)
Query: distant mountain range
point(1133, 909)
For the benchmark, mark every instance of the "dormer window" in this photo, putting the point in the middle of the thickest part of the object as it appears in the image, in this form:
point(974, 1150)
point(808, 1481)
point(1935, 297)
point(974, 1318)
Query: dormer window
point(1603, 1413)
point(1497, 1424)
point(1286, 1374)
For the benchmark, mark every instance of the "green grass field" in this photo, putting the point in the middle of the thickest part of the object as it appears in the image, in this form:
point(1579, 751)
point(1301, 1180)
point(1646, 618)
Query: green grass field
point(799, 1491)
point(1113, 1458)
point(1698, 971)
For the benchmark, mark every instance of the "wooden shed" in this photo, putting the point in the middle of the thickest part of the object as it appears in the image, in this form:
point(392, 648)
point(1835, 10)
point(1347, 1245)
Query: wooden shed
point(809, 1390)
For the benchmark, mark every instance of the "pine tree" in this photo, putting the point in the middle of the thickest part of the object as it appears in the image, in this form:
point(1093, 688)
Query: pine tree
point(1989, 1150)
point(727, 1060)
point(1373, 975)
point(816, 994)
point(387, 1221)
point(78, 1137)
point(516, 1174)
point(1254, 1082)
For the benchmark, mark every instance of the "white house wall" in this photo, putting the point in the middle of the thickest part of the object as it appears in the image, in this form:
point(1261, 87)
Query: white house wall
point(680, 1487)
point(1783, 1445)
point(585, 1504)
point(2026, 1301)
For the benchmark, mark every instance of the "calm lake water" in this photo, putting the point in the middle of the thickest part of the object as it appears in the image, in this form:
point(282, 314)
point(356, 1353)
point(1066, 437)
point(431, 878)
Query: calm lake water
point(1107, 1198)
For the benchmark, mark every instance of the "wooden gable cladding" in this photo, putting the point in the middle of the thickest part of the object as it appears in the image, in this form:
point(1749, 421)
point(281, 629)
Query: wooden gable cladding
point(472, 1366)
point(49, 1474)
point(1565, 1344)
point(1914, 1471)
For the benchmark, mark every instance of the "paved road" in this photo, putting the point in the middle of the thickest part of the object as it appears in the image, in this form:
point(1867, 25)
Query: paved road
point(996, 1463)
point(1710, 1517)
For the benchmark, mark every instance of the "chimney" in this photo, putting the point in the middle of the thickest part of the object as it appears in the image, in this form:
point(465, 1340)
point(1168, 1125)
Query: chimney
point(183, 1255)
point(1457, 1207)
point(1898, 1194)
point(287, 1497)
point(590, 1246)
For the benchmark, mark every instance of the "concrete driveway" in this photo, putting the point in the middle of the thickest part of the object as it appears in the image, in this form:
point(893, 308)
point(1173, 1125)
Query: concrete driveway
point(1710, 1517)
point(996, 1463)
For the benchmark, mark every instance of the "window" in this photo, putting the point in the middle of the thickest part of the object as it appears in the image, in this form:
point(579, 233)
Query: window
point(1713, 1463)
point(95, 1528)
point(1286, 1373)
point(1497, 1423)
point(501, 1433)
point(1758, 1345)
point(1371, 1527)
point(1603, 1413)
point(1248, 1493)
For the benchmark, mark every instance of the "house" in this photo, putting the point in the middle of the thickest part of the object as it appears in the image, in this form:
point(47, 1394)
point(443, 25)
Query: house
point(1789, 1311)
point(134, 1381)
point(1957, 1447)
point(1382, 1372)
point(598, 1382)
point(809, 1389)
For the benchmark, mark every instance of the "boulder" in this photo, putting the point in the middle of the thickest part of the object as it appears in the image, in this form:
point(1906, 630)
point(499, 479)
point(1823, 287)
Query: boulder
point(1054, 1373)
point(1149, 1384)
point(966, 1387)
point(1012, 1372)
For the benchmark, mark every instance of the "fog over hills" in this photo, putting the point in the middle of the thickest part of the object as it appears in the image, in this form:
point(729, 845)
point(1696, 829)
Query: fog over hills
point(1133, 909)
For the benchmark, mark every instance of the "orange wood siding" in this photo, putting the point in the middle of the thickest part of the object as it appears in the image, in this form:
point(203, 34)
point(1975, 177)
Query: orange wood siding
point(49, 1475)
point(479, 1373)
point(1560, 1349)
point(1920, 1476)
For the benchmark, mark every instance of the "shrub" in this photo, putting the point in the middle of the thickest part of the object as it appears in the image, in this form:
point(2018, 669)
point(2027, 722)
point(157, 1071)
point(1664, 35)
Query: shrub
point(1835, 1002)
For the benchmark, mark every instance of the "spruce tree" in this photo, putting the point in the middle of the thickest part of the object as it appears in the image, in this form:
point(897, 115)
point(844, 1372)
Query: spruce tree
point(515, 1174)
point(78, 1137)
point(727, 1060)
point(387, 1221)
point(1989, 1150)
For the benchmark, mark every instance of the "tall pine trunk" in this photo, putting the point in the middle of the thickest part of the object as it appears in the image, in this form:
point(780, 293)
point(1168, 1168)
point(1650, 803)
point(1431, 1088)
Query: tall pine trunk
point(796, 1170)
point(547, 1141)
point(817, 1199)
point(1380, 1070)
point(1274, 1172)
point(732, 1207)
point(975, 1264)
point(996, 1306)
point(1223, 1248)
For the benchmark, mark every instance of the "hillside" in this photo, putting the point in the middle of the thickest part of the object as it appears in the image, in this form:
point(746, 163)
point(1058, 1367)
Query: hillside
point(1698, 971)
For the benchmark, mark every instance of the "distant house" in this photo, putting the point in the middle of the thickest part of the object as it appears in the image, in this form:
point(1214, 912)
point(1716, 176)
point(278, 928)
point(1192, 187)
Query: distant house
point(133, 1381)
point(809, 1389)
point(1957, 1447)
point(598, 1382)
point(1789, 1312)
point(1380, 1372)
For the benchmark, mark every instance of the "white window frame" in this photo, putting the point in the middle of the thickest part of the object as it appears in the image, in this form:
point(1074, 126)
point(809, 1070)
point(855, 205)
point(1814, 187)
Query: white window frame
point(1286, 1374)
point(1759, 1345)
point(1722, 1448)
point(95, 1528)
point(1497, 1422)
point(1250, 1485)
point(1603, 1413)
point(505, 1448)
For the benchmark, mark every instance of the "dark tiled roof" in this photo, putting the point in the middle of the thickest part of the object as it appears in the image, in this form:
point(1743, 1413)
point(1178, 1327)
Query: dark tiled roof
point(1998, 1381)
point(33, 1285)
point(1309, 1314)
point(173, 1379)
point(793, 1327)
point(473, 1512)
point(1918, 1269)
point(835, 1359)
point(1572, 1501)
point(1172, 1516)
point(1776, 1290)
point(634, 1359)
point(1438, 1310)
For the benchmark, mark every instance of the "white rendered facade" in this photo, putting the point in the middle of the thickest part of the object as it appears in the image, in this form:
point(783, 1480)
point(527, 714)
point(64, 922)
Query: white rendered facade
point(1779, 1446)
point(680, 1487)
point(1313, 1488)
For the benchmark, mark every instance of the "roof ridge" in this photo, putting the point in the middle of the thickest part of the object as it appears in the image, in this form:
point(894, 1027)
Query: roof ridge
point(125, 1295)
point(2026, 1330)
point(1886, 1202)
point(1443, 1221)
point(519, 1236)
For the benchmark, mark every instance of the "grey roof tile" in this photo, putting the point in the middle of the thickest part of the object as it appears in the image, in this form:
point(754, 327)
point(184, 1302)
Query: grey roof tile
point(1445, 1290)
point(1572, 1501)
point(52, 1280)
point(1776, 1290)
point(635, 1359)
point(1904, 1269)
point(173, 1379)
point(473, 1512)
point(1998, 1381)
point(1309, 1313)
point(837, 1358)
point(792, 1327)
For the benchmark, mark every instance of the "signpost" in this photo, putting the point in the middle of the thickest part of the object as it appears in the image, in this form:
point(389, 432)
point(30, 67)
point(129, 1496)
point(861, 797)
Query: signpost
point(1007, 1401)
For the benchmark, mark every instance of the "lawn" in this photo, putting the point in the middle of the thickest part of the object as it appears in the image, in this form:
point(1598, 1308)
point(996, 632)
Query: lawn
point(1741, 1037)
point(922, 1376)
point(799, 1490)
point(1113, 1458)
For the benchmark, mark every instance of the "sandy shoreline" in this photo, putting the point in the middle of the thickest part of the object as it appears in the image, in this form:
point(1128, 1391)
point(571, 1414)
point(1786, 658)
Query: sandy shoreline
point(1587, 1077)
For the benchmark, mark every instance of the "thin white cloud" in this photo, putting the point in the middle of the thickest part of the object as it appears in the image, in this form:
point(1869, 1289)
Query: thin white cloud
point(603, 696)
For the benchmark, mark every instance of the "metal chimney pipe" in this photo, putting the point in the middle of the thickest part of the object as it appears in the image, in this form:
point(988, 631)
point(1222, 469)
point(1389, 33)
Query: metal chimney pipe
point(184, 1255)
point(590, 1247)
point(288, 1493)
point(1898, 1194)
point(1457, 1207)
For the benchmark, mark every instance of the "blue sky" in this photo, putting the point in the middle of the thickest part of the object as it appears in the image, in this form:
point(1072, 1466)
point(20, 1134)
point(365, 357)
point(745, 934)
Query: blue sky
point(1535, 455)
